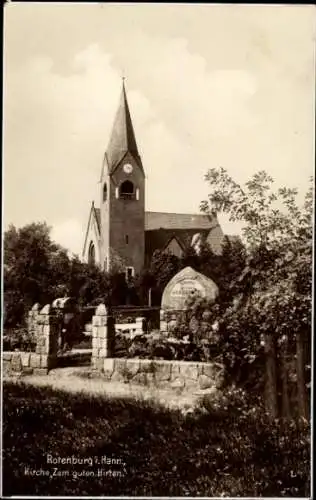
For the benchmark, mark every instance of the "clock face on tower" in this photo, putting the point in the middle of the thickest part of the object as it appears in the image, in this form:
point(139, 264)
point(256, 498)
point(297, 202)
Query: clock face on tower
point(128, 168)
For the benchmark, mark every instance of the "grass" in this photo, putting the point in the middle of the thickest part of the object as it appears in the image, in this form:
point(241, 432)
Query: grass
point(161, 451)
point(81, 379)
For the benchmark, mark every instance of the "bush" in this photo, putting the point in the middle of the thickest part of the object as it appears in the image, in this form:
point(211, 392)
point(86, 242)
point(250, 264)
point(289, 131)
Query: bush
point(258, 441)
point(18, 339)
point(159, 347)
point(138, 347)
point(161, 350)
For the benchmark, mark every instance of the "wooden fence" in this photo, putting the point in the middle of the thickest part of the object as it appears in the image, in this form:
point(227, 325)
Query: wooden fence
point(288, 376)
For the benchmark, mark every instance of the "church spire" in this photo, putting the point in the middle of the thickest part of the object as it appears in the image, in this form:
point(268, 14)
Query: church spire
point(122, 139)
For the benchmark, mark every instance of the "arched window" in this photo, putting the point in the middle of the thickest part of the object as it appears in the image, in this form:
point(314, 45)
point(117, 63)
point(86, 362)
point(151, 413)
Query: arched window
point(127, 190)
point(91, 254)
point(105, 192)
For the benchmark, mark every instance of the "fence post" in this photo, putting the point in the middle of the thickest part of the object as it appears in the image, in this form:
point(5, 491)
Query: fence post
point(300, 369)
point(163, 322)
point(286, 411)
point(271, 400)
point(103, 337)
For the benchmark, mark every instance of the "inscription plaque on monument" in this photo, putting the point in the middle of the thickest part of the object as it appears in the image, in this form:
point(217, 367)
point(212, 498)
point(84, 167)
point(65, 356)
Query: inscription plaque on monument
point(187, 288)
point(187, 283)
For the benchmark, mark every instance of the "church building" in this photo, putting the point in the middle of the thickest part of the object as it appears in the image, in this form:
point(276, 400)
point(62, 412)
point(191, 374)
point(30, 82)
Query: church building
point(121, 235)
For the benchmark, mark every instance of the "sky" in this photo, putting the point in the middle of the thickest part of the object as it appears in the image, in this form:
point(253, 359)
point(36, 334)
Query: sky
point(208, 86)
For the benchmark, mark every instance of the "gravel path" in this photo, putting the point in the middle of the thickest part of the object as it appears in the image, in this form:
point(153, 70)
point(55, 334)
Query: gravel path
point(76, 379)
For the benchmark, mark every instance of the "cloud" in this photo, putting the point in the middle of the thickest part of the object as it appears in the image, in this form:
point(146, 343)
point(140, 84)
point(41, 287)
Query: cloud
point(230, 103)
point(69, 234)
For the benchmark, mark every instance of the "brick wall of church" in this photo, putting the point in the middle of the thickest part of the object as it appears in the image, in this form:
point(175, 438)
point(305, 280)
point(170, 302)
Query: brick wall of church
point(125, 226)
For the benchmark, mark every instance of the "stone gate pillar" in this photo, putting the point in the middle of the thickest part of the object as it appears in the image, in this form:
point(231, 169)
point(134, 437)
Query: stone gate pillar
point(32, 320)
point(103, 337)
point(46, 341)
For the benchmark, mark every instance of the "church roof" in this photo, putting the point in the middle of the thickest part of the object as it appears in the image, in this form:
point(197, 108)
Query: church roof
point(122, 139)
point(158, 239)
point(161, 227)
point(94, 213)
point(172, 221)
point(157, 220)
point(98, 217)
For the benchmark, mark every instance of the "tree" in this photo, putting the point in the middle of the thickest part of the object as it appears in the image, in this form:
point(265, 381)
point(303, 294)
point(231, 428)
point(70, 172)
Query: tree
point(225, 267)
point(27, 268)
point(145, 284)
point(273, 300)
point(38, 270)
point(163, 266)
point(191, 257)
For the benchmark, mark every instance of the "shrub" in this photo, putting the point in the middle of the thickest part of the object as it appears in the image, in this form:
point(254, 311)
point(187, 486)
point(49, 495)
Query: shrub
point(138, 347)
point(161, 350)
point(18, 339)
point(122, 345)
point(159, 347)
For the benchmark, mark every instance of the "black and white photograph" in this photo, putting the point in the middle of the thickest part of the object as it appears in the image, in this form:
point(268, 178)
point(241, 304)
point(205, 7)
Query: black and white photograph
point(157, 241)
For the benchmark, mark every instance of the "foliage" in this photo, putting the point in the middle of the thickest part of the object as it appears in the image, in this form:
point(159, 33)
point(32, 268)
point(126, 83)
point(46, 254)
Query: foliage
point(220, 268)
point(20, 339)
point(257, 205)
point(158, 346)
point(87, 282)
point(224, 449)
point(163, 266)
point(27, 255)
point(38, 270)
point(272, 294)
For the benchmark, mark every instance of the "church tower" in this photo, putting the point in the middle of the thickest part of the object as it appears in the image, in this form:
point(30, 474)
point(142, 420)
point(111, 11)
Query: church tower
point(122, 203)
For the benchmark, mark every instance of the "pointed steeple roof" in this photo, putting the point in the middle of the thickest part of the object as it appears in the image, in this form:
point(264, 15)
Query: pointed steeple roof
point(122, 139)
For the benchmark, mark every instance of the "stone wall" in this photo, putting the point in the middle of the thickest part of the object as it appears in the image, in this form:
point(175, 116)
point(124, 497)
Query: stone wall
point(177, 375)
point(44, 358)
point(27, 363)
